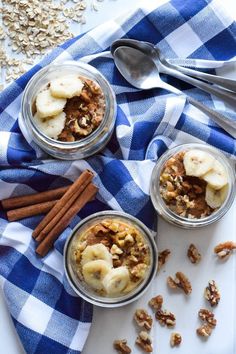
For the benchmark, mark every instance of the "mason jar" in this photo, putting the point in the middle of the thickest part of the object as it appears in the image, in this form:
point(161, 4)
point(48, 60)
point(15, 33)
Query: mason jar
point(161, 207)
point(87, 146)
point(85, 291)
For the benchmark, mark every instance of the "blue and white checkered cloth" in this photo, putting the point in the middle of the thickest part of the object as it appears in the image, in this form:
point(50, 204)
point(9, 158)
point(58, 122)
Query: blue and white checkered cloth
point(47, 314)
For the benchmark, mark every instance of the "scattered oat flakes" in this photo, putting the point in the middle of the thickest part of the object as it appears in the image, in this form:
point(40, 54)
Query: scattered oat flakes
point(156, 302)
point(204, 331)
point(143, 319)
point(180, 281)
point(121, 346)
point(165, 318)
point(208, 317)
point(162, 258)
point(175, 339)
point(224, 250)
point(144, 342)
point(212, 293)
point(193, 254)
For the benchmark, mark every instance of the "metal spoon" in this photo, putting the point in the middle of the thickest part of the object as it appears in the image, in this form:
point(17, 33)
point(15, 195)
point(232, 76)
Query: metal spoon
point(149, 49)
point(141, 72)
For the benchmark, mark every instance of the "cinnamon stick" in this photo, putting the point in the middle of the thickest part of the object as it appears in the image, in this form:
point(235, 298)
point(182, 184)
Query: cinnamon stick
point(31, 210)
point(88, 193)
point(31, 199)
point(66, 201)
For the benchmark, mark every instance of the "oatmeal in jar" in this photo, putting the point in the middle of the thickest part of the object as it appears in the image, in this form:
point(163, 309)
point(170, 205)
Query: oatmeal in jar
point(111, 257)
point(69, 108)
point(193, 184)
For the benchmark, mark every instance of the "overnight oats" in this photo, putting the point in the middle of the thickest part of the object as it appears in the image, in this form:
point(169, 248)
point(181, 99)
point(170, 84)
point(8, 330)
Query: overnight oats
point(69, 110)
point(192, 185)
point(110, 259)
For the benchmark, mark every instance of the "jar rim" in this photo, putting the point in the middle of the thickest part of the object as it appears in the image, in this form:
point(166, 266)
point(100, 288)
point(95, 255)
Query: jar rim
point(116, 301)
point(109, 104)
point(163, 210)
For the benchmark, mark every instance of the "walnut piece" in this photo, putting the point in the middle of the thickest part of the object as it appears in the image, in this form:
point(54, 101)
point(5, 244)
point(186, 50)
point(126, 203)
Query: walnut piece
point(121, 346)
point(143, 319)
point(204, 331)
point(175, 339)
point(180, 281)
point(212, 293)
point(144, 342)
point(156, 302)
point(208, 317)
point(165, 318)
point(193, 254)
point(162, 258)
point(224, 250)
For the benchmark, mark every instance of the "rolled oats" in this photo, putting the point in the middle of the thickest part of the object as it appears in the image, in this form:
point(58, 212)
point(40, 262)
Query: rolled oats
point(175, 339)
point(165, 318)
point(144, 342)
point(162, 258)
point(121, 346)
point(156, 302)
point(193, 254)
point(224, 250)
point(212, 293)
point(180, 281)
point(143, 319)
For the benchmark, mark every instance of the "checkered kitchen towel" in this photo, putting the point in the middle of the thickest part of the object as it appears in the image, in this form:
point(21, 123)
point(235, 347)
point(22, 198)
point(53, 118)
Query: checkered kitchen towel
point(47, 314)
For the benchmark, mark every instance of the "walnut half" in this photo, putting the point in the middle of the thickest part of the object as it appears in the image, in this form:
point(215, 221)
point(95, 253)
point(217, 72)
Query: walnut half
point(165, 318)
point(224, 250)
point(204, 331)
point(208, 317)
point(175, 339)
point(162, 258)
point(143, 319)
point(144, 342)
point(121, 346)
point(156, 302)
point(212, 293)
point(193, 254)
point(180, 281)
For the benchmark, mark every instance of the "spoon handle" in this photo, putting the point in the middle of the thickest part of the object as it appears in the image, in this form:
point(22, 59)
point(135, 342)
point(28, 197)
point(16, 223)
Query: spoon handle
point(229, 97)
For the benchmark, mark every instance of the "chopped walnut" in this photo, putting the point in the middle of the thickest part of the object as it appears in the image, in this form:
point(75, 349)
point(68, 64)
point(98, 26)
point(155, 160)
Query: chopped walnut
point(144, 342)
point(212, 293)
point(175, 339)
point(208, 317)
point(180, 281)
point(121, 346)
point(162, 258)
point(193, 254)
point(138, 271)
point(156, 302)
point(224, 250)
point(204, 331)
point(143, 319)
point(165, 318)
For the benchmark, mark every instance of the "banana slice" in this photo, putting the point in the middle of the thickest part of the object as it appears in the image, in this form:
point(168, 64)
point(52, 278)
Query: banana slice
point(51, 127)
point(66, 86)
point(94, 272)
point(94, 252)
point(116, 280)
point(215, 198)
point(197, 162)
point(217, 177)
point(47, 105)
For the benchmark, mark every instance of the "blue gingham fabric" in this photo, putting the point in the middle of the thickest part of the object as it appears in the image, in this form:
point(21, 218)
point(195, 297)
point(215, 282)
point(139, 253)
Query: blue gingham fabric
point(47, 314)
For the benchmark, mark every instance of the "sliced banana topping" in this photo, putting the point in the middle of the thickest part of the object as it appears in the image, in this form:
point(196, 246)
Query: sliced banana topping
point(94, 273)
point(94, 252)
point(215, 198)
point(66, 86)
point(51, 127)
point(197, 162)
point(47, 105)
point(217, 177)
point(116, 280)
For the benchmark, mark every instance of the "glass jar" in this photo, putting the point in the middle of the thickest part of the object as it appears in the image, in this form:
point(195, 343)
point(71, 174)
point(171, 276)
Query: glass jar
point(85, 291)
point(85, 147)
point(160, 205)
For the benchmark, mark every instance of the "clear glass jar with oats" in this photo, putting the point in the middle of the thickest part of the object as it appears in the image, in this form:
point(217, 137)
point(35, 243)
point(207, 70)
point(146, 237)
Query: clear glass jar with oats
point(69, 110)
point(110, 258)
point(192, 185)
